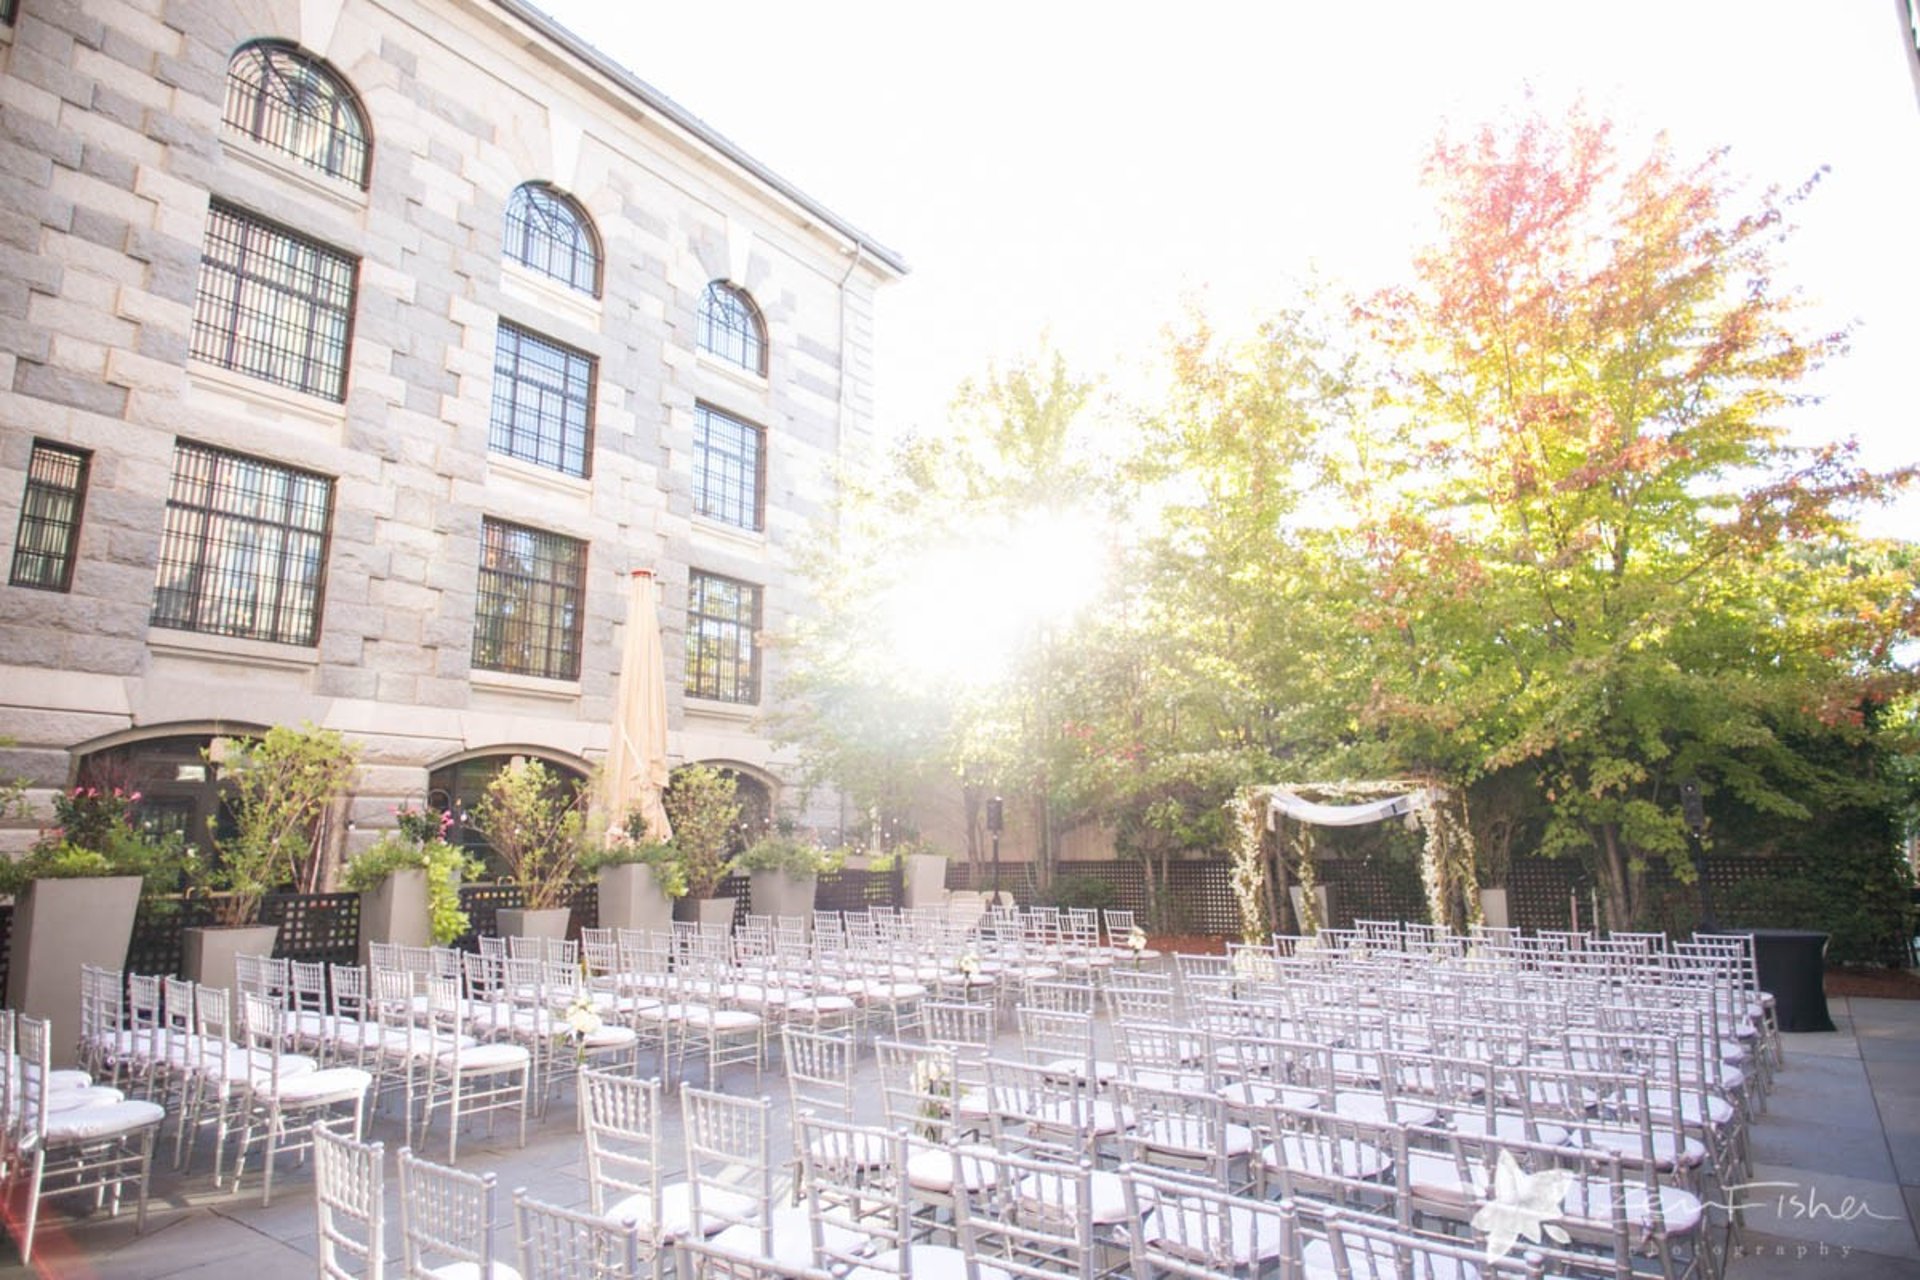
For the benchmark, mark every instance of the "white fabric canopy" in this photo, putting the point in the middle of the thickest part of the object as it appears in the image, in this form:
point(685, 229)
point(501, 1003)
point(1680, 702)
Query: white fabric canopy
point(1286, 804)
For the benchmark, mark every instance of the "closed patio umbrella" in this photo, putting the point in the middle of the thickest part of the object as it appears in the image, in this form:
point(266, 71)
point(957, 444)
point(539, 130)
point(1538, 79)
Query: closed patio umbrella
point(636, 771)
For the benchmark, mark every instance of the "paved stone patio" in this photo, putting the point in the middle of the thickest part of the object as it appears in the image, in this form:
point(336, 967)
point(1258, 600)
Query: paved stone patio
point(1839, 1150)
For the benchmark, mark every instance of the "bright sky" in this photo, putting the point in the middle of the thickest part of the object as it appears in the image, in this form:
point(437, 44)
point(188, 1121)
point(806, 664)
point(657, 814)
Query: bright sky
point(1081, 170)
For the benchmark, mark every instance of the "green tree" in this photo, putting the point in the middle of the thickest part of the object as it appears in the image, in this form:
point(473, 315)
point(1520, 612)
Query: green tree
point(1610, 569)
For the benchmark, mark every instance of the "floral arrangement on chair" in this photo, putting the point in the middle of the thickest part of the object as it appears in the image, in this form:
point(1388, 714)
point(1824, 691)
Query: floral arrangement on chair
point(932, 1084)
point(583, 1022)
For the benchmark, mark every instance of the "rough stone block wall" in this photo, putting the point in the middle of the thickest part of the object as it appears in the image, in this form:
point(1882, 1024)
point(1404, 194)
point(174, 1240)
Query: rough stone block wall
point(112, 148)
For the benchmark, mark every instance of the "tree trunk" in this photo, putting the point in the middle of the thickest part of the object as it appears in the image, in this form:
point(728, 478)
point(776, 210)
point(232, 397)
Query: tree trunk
point(1615, 890)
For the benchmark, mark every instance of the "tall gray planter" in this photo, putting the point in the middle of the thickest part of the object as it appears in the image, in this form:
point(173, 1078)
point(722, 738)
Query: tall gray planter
point(396, 910)
point(706, 912)
point(781, 893)
point(59, 925)
point(519, 922)
point(926, 880)
point(1493, 908)
point(208, 954)
point(631, 898)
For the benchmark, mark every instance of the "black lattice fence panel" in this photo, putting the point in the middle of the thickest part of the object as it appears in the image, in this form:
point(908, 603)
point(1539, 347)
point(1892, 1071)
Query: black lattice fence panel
point(1200, 898)
point(314, 926)
point(6, 945)
point(1541, 891)
point(586, 908)
point(1374, 889)
point(851, 890)
point(482, 903)
point(159, 929)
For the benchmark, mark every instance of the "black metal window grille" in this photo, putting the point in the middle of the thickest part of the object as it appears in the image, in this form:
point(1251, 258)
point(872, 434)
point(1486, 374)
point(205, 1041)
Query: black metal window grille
point(728, 460)
point(49, 533)
point(723, 619)
point(7, 9)
point(273, 304)
point(531, 598)
point(542, 401)
point(243, 551)
point(288, 100)
point(548, 233)
point(730, 327)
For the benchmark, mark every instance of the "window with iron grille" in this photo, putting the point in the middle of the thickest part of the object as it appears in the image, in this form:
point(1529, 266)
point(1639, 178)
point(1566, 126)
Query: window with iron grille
point(49, 534)
point(288, 100)
point(730, 327)
point(723, 618)
point(273, 304)
point(526, 618)
point(243, 551)
point(728, 457)
point(7, 8)
point(548, 233)
point(542, 401)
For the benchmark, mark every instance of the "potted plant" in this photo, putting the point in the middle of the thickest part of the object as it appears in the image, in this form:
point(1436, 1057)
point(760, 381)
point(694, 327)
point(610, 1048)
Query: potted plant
point(535, 822)
point(638, 878)
point(409, 884)
point(76, 893)
point(701, 806)
point(283, 792)
point(782, 874)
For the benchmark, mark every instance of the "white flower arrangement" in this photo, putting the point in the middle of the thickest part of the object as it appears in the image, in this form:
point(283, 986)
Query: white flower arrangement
point(583, 1020)
point(933, 1085)
point(969, 966)
point(1136, 940)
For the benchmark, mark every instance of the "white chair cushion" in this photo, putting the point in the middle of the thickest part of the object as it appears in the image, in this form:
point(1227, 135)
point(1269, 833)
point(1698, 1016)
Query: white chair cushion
point(489, 1057)
point(471, 1271)
point(88, 1124)
point(931, 1169)
point(676, 1209)
point(1108, 1195)
point(1254, 1238)
point(335, 1083)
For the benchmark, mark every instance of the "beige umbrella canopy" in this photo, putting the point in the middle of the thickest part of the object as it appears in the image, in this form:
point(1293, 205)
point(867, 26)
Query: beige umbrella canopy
point(636, 770)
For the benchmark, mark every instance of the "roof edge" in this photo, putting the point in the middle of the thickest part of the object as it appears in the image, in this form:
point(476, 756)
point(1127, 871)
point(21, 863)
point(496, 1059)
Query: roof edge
point(655, 100)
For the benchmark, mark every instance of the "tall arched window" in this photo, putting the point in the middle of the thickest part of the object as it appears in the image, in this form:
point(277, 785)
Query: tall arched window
point(290, 101)
point(549, 233)
point(731, 328)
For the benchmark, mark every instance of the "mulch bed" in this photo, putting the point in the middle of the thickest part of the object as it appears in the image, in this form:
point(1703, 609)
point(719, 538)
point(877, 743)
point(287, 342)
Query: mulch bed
point(1883, 984)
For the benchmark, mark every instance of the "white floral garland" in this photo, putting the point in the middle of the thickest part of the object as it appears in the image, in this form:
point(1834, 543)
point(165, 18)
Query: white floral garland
point(1446, 862)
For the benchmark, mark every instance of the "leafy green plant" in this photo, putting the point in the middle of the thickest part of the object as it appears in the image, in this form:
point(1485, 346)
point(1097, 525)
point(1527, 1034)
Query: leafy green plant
point(701, 805)
point(621, 849)
point(94, 834)
point(1089, 892)
point(789, 854)
point(416, 846)
point(536, 823)
point(283, 787)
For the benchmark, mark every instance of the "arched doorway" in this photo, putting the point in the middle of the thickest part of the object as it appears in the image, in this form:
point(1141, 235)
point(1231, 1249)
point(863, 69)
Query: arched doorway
point(180, 789)
point(457, 788)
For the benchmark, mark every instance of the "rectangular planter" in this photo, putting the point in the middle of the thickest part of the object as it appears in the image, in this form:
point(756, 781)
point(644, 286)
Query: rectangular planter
point(708, 913)
point(519, 922)
point(778, 893)
point(926, 880)
point(1493, 908)
point(631, 898)
point(395, 910)
point(59, 925)
point(207, 954)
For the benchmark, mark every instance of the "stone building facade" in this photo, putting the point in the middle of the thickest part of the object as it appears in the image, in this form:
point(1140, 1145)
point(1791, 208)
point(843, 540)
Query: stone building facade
point(354, 354)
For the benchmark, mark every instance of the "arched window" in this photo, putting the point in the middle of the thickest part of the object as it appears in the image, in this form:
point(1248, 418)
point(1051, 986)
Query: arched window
point(290, 101)
point(548, 233)
point(731, 328)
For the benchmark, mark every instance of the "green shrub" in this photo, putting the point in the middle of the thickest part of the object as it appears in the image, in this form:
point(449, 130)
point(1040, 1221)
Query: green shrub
point(1083, 891)
point(780, 853)
point(445, 867)
point(620, 849)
